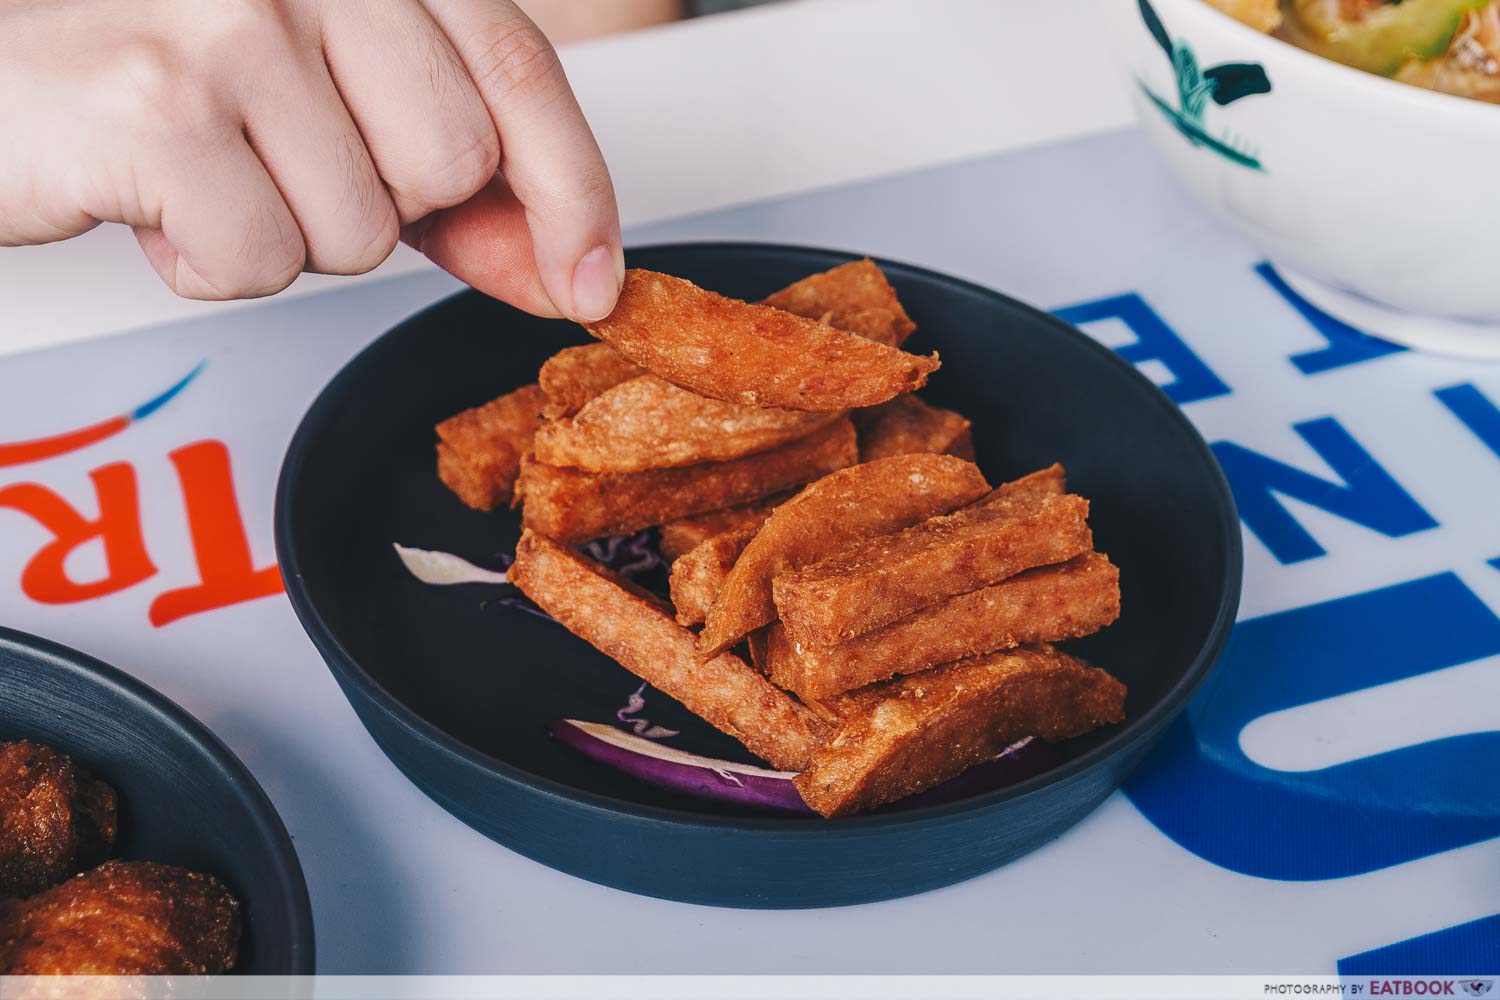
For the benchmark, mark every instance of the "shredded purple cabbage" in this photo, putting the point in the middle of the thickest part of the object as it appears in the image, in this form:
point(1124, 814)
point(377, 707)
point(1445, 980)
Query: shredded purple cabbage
point(640, 725)
point(754, 788)
point(638, 558)
point(632, 556)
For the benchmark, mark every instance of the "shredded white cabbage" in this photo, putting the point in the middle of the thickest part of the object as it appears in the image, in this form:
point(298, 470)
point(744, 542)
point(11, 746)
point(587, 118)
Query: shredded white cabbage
point(444, 569)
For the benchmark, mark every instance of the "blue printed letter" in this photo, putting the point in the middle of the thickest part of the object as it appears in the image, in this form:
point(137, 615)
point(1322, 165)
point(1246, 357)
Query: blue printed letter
point(1368, 495)
point(1476, 411)
point(1192, 380)
point(1346, 345)
point(1200, 788)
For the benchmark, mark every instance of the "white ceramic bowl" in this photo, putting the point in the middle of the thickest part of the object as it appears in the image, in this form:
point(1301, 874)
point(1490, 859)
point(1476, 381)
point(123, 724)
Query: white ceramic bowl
point(1378, 201)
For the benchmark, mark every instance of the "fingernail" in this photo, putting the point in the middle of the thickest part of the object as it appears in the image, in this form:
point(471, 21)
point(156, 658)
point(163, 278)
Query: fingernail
point(595, 285)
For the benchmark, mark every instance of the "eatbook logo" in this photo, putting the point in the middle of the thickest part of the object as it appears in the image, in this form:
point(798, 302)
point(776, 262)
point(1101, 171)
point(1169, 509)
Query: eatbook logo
point(1477, 987)
point(1225, 84)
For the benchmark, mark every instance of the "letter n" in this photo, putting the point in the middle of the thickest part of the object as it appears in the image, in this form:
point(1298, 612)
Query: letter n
point(1367, 495)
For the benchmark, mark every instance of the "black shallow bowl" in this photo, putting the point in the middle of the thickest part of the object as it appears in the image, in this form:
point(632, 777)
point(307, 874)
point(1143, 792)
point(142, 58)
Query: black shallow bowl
point(457, 690)
point(185, 799)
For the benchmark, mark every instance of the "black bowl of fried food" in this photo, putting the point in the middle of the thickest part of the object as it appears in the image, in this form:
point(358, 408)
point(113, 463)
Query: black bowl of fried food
point(132, 841)
point(923, 613)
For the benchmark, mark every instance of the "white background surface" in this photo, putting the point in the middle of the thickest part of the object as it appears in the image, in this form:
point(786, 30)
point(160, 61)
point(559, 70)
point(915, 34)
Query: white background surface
point(400, 886)
point(791, 98)
point(712, 112)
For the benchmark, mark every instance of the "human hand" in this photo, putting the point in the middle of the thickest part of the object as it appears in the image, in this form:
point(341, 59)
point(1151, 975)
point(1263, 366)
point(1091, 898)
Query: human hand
point(246, 141)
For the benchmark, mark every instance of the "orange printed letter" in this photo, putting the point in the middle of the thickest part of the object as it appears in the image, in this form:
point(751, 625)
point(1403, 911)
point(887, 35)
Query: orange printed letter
point(226, 568)
point(45, 578)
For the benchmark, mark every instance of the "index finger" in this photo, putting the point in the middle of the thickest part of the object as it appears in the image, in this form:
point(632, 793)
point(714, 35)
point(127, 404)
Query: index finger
point(548, 155)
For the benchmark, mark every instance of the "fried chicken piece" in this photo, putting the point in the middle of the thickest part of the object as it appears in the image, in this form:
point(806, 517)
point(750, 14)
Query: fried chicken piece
point(124, 918)
point(55, 819)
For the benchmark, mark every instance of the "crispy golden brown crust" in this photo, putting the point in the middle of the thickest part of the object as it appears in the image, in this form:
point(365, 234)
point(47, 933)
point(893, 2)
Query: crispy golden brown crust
point(686, 534)
point(1048, 604)
point(571, 506)
point(698, 574)
point(469, 483)
point(54, 818)
point(642, 637)
point(907, 735)
point(828, 516)
point(906, 425)
point(96, 818)
point(575, 375)
point(479, 450)
point(649, 423)
point(884, 578)
point(1052, 479)
point(879, 325)
point(854, 297)
point(963, 447)
point(752, 354)
point(124, 918)
point(755, 645)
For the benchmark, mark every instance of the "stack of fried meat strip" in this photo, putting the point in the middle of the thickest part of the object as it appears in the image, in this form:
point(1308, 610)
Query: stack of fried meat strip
point(850, 598)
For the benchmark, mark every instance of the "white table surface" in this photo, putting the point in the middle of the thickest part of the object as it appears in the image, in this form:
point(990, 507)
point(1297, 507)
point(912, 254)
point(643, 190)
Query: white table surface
point(698, 116)
point(712, 112)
